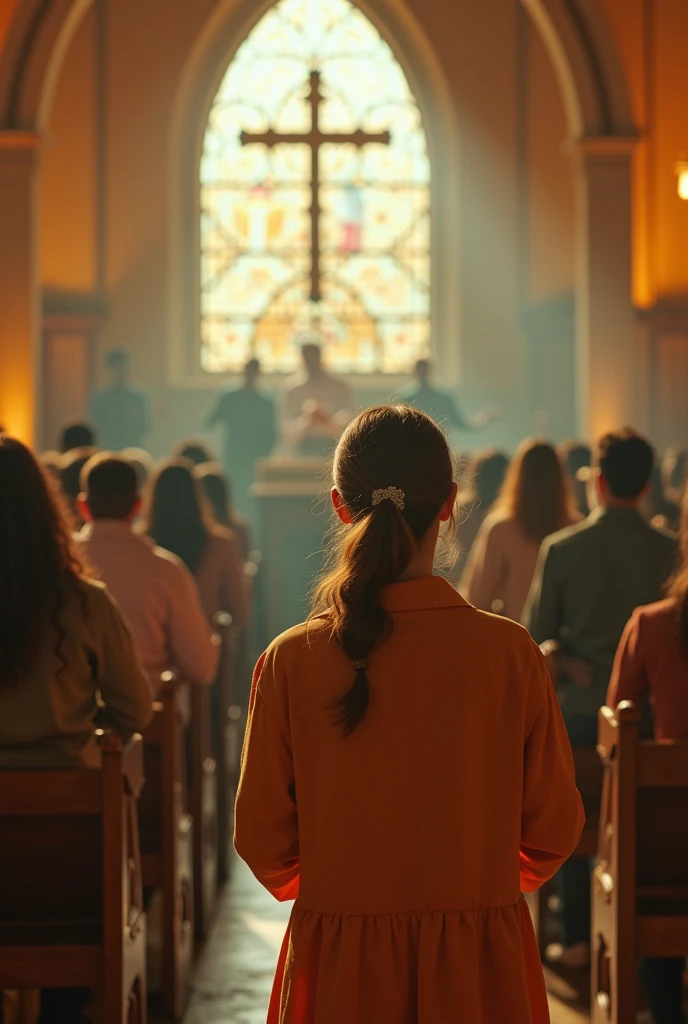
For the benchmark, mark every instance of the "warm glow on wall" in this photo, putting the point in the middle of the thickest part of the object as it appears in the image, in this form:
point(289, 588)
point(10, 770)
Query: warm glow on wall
point(681, 169)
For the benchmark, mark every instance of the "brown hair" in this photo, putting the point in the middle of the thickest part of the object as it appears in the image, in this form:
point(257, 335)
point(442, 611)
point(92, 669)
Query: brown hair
point(678, 584)
point(39, 559)
point(387, 446)
point(177, 515)
point(111, 486)
point(536, 491)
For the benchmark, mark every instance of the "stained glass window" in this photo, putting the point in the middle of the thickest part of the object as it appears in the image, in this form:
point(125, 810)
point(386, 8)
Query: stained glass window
point(315, 199)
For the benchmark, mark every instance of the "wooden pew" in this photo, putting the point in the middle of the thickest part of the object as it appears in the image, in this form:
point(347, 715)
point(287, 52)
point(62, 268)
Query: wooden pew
point(71, 909)
point(203, 802)
point(167, 839)
point(227, 719)
point(589, 773)
point(640, 883)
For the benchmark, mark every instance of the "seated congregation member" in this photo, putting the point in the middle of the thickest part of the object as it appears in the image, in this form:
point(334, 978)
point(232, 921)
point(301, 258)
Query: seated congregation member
point(658, 507)
point(70, 476)
point(153, 587)
point(218, 491)
point(195, 451)
point(407, 870)
point(535, 501)
point(589, 581)
point(67, 659)
point(577, 457)
point(652, 660)
point(77, 433)
point(142, 461)
point(485, 474)
point(178, 519)
point(675, 472)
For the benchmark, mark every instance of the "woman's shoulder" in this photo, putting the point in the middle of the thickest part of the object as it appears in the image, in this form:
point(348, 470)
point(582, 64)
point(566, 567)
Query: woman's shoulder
point(496, 517)
point(222, 537)
point(501, 631)
point(89, 588)
point(655, 617)
point(305, 639)
point(92, 593)
point(88, 605)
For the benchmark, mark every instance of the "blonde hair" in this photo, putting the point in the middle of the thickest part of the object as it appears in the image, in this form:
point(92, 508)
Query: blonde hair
point(536, 491)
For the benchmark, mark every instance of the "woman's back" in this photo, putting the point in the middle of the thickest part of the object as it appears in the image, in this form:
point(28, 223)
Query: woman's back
point(456, 695)
point(653, 660)
point(501, 566)
point(48, 718)
point(220, 577)
point(63, 643)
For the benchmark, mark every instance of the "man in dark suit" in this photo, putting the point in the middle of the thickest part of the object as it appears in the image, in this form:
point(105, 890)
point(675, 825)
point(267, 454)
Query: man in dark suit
point(590, 579)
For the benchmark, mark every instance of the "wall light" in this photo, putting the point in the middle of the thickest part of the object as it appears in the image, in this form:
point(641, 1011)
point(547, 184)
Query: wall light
point(681, 168)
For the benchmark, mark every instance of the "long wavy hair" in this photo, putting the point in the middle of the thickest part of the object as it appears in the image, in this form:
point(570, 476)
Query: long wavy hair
point(39, 559)
point(537, 492)
point(386, 446)
point(177, 516)
point(678, 584)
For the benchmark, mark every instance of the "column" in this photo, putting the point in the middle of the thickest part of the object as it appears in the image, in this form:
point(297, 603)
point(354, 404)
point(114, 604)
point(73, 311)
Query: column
point(605, 320)
point(19, 275)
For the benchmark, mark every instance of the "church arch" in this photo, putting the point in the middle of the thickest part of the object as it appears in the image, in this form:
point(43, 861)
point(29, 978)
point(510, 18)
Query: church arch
point(586, 61)
point(38, 40)
point(211, 55)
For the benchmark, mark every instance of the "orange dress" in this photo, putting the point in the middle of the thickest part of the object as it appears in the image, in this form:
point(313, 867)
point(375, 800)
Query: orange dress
point(407, 846)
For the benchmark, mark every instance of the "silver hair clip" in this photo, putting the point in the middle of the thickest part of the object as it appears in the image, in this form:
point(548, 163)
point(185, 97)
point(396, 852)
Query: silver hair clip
point(393, 494)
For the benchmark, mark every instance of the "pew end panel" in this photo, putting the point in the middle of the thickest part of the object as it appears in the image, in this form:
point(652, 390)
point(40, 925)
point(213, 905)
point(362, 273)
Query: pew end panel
point(167, 840)
point(89, 931)
point(226, 737)
point(640, 883)
point(203, 801)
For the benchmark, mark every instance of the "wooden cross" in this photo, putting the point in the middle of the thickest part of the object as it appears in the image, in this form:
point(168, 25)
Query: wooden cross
point(315, 138)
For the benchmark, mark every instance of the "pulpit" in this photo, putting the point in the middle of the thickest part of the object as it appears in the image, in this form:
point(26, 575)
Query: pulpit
point(294, 514)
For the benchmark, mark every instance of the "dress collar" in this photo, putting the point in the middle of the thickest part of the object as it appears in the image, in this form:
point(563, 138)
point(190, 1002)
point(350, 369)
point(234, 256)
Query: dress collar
point(422, 594)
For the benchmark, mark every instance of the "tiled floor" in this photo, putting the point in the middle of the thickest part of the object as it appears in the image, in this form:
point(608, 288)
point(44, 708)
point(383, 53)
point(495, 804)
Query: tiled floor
point(234, 974)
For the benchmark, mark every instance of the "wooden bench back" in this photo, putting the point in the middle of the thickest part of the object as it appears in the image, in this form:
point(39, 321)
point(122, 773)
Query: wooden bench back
point(644, 824)
point(70, 864)
point(640, 886)
point(52, 828)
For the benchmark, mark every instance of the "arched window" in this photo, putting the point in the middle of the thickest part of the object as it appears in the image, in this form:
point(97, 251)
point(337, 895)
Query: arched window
point(315, 199)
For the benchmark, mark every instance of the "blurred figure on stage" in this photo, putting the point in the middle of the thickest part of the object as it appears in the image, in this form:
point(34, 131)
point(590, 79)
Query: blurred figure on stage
point(120, 412)
point(247, 418)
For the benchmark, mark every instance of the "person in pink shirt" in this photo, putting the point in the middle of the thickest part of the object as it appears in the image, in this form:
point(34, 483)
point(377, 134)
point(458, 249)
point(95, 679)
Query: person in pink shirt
point(652, 661)
point(153, 587)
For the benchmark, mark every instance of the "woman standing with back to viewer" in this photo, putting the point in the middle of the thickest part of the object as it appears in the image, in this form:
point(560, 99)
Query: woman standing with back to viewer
point(534, 502)
point(406, 772)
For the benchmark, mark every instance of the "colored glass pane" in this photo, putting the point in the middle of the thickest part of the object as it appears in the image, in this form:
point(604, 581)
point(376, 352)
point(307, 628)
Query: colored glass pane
point(366, 285)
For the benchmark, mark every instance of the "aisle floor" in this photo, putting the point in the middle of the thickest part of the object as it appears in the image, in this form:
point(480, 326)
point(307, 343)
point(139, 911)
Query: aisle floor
point(234, 974)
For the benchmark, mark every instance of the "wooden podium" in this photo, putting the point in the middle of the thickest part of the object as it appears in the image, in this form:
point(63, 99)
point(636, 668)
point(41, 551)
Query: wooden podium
point(294, 514)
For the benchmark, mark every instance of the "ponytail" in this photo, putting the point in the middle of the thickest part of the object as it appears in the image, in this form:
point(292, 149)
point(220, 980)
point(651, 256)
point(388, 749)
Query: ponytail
point(374, 553)
point(393, 472)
